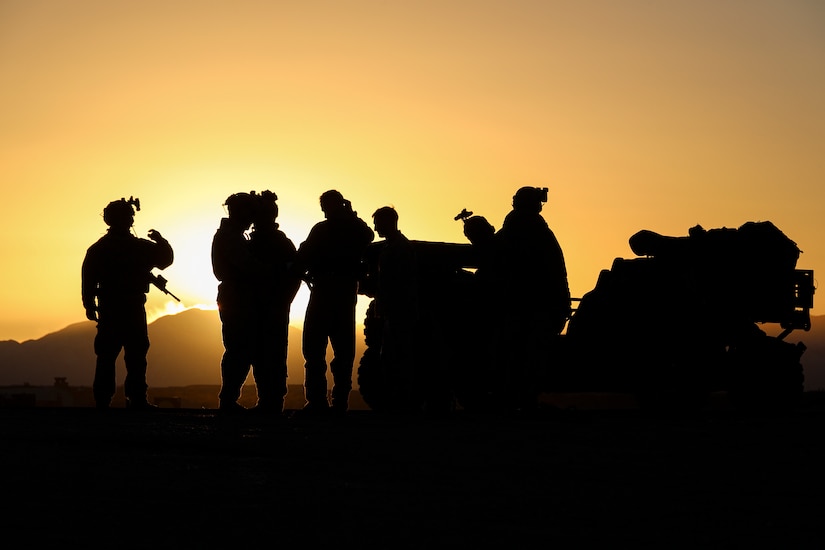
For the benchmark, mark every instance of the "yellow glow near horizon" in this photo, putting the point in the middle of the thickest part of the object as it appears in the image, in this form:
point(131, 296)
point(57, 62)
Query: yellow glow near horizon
point(636, 115)
point(190, 225)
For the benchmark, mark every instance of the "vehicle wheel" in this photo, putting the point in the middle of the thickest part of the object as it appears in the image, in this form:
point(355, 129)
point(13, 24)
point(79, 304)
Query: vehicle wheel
point(766, 375)
point(371, 377)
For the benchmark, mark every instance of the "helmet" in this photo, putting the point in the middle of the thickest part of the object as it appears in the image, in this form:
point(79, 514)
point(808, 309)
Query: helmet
point(265, 206)
point(240, 205)
point(120, 213)
point(530, 198)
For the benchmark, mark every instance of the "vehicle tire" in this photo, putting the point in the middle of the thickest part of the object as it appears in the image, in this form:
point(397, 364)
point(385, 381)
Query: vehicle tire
point(766, 375)
point(371, 378)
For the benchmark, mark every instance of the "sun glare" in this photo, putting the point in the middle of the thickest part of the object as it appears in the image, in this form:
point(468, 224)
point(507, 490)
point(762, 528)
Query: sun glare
point(190, 277)
point(189, 221)
point(166, 307)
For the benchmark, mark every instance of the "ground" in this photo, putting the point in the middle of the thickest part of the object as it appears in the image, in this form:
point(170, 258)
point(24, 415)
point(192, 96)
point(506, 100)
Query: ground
point(189, 478)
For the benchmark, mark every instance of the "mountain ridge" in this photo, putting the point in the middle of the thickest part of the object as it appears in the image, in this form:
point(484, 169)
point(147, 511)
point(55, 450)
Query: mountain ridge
point(186, 349)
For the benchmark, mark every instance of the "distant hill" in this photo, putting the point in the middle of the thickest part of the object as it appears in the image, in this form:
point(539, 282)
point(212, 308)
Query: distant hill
point(186, 350)
point(67, 352)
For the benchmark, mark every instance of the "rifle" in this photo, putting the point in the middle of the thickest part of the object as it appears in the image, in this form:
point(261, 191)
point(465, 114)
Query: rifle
point(160, 282)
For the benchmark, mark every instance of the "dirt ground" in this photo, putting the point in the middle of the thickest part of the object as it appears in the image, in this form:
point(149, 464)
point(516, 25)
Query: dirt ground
point(188, 478)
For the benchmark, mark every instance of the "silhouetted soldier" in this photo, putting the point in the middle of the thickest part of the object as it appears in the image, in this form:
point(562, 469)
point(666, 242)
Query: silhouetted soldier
point(116, 273)
point(274, 293)
point(476, 373)
point(396, 305)
point(533, 298)
point(238, 271)
point(330, 259)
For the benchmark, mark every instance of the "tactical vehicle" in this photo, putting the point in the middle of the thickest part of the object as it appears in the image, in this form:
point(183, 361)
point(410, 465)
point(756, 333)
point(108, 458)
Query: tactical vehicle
point(446, 290)
point(683, 319)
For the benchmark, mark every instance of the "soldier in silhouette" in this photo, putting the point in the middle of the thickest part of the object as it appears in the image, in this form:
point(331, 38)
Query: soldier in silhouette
point(531, 296)
point(476, 376)
point(115, 275)
point(274, 291)
point(238, 272)
point(396, 305)
point(329, 260)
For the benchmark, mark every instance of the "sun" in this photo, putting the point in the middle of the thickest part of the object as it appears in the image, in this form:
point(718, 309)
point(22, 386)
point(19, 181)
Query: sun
point(190, 276)
point(189, 221)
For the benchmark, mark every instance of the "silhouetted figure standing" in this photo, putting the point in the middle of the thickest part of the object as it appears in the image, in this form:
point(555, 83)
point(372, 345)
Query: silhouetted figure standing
point(116, 274)
point(274, 293)
point(396, 305)
point(532, 295)
point(476, 370)
point(238, 272)
point(330, 259)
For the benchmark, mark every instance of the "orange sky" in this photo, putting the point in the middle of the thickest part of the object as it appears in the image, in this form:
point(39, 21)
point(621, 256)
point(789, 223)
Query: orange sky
point(636, 114)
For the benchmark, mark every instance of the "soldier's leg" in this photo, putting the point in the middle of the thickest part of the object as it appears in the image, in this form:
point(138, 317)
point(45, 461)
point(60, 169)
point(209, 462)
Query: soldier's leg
point(525, 352)
point(269, 366)
point(314, 347)
point(107, 347)
point(280, 349)
point(236, 359)
point(342, 339)
point(509, 363)
point(135, 348)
